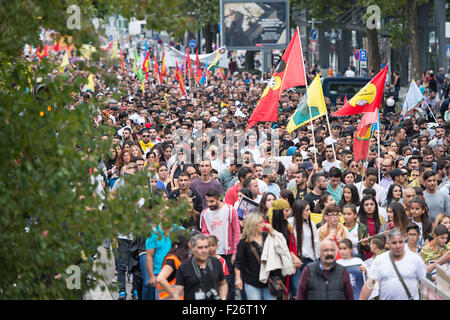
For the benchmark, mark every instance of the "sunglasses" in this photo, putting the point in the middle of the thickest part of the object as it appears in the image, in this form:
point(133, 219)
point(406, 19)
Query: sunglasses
point(147, 136)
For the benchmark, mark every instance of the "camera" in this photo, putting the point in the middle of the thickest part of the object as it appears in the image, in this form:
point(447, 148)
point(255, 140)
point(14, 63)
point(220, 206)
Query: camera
point(212, 295)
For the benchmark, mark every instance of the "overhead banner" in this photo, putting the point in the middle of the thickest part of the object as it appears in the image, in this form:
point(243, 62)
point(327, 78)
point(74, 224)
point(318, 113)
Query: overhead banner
point(254, 25)
point(173, 56)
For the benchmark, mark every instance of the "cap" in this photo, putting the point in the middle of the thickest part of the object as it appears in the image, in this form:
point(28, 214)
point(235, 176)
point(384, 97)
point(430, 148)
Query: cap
point(336, 125)
point(213, 119)
point(397, 172)
point(307, 165)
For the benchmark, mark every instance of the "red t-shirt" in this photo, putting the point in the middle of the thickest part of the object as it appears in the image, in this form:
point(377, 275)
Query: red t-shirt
point(232, 195)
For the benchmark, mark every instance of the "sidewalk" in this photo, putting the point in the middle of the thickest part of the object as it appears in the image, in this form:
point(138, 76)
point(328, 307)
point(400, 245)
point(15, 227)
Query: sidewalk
point(108, 276)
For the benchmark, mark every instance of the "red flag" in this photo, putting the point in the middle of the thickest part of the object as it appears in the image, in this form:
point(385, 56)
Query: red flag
point(108, 47)
point(121, 59)
point(345, 99)
point(361, 141)
point(198, 71)
point(56, 46)
point(289, 73)
point(157, 76)
point(367, 99)
point(189, 64)
point(42, 52)
point(146, 64)
point(179, 77)
point(163, 65)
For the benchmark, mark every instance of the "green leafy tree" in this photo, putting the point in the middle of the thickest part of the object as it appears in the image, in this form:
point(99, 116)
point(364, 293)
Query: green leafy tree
point(50, 217)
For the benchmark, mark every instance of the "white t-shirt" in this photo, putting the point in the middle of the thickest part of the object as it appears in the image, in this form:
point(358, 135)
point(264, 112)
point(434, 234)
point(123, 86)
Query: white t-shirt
point(352, 235)
point(326, 165)
point(350, 262)
point(411, 267)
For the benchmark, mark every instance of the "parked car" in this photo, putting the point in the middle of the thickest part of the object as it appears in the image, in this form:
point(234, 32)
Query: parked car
point(334, 87)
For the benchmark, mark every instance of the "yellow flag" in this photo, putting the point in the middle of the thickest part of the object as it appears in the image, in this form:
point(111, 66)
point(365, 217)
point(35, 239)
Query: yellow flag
point(65, 62)
point(143, 87)
point(312, 106)
point(114, 49)
point(90, 85)
point(86, 50)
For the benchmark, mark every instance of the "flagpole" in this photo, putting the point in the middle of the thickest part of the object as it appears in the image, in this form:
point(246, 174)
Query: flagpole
point(329, 129)
point(307, 101)
point(379, 152)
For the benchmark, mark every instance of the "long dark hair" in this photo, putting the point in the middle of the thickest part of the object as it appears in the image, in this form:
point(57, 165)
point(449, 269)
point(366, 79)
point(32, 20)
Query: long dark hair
point(390, 197)
point(427, 227)
point(262, 203)
point(180, 248)
point(355, 196)
point(400, 218)
point(363, 215)
point(280, 224)
point(297, 212)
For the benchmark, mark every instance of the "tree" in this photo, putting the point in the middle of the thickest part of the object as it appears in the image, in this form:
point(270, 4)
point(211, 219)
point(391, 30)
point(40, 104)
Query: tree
point(50, 211)
point(206, 13)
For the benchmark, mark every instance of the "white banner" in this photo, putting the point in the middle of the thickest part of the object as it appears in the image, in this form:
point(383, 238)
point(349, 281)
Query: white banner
point(173, 56)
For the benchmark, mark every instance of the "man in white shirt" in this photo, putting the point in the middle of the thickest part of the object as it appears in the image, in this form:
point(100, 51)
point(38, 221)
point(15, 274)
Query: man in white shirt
point(349, 72)
point(409, 265)
point(370, 182)
point(335, 132)
point(330, 161)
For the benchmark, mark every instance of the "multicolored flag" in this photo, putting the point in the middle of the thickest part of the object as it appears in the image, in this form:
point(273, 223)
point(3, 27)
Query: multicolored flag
point(113, 53)
point(314, 100)
point(361, 140)
point(204, 75)
point(121, 60)
point(163, 66)
point(413, 99)
point(368, 98)
point(215, 63)
point(65, 62)
point(90, 86)
point(156, 75)
point(179, 78)
point(289, 73)
point(146, 64)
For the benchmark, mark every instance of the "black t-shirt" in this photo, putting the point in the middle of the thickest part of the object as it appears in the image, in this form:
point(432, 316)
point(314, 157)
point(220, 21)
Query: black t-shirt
point(187, 278)
point(313, 200)
point(301, 193)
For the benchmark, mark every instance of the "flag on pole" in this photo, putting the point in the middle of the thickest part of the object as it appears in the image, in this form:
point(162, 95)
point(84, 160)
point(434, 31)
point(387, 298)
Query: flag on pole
point(146, 65)
point(143, 88)
point(135, 62)
point(316, 102)
point(361, 140)
point(65, 62)
point(90, 85)
point(156, 75)
point(413, 99)
point(56, 46)
point(215, 63)
point(190, 71)
point(222, 74)
point(368, 98)
point(179, 78)
point(113, 53)
point(198, 70)
point(121, 60)
point(289, 73)
point(163, 66)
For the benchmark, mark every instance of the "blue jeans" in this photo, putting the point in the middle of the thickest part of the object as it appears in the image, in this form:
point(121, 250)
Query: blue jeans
point(295, 278)
point(148, 292)
point(254, 293)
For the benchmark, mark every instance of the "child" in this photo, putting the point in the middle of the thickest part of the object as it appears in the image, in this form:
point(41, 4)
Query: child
point(377, 247)
point(213, 243)
point(420, 216)
point(436, 248)
point(356, 231)
point(346, 249)
point(332, 229)
point(413, 234)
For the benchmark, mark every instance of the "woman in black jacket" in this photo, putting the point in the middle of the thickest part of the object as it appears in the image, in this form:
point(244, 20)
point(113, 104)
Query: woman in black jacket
point(247, 265)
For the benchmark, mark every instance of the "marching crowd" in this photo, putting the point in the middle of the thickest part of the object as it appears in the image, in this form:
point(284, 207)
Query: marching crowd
point(276, 215)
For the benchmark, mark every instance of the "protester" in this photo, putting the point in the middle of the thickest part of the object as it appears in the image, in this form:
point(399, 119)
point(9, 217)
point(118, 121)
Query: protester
point(392, 266)
point(200, 277)
point(325, 279)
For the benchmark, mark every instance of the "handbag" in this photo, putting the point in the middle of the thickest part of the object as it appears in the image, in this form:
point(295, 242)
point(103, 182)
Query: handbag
point(400, 278)
point(275, 283)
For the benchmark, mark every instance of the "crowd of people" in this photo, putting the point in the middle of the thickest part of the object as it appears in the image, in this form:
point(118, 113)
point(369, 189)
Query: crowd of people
point(313, 209)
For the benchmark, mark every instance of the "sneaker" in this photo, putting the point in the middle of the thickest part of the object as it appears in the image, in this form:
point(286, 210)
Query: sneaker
point(130, 280)
point(115, 280)
point(134, 295)
point(122, 295)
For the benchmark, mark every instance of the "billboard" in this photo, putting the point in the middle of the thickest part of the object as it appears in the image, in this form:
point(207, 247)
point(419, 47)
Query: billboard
point(254, 25)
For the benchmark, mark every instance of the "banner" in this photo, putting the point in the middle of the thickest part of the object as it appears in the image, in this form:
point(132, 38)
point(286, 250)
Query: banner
point(174, 56)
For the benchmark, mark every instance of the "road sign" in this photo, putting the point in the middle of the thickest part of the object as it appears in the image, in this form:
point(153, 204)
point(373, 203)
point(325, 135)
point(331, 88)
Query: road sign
point(357, 55)
point(110, 37)
point(363, 54)
point(155, 36)
point(363, 64)
point(448, 52)
point(314, 34)
point(192, 43)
